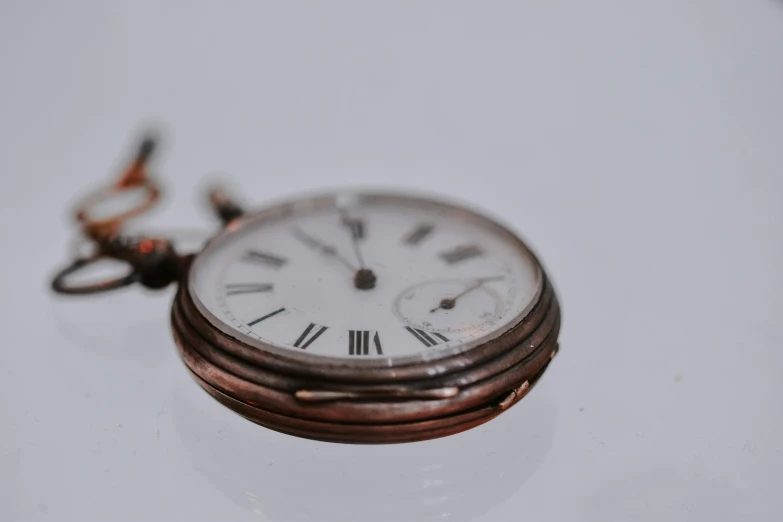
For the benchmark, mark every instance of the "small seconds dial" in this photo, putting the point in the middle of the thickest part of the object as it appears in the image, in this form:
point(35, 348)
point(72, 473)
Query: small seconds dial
point(372, 277)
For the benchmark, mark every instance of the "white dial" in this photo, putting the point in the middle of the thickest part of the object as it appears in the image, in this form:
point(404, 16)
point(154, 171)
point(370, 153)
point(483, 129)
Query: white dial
point(381, 278)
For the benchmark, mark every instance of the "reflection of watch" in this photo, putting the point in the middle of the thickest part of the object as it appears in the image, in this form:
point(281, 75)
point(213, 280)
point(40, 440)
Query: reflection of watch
point(418, 482)
point(355, 317)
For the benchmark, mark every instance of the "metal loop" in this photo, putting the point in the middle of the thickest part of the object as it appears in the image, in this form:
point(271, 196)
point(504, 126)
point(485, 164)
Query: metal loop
point(153, 262)
point(110, 226)
point(60, 285)
point(135, 177)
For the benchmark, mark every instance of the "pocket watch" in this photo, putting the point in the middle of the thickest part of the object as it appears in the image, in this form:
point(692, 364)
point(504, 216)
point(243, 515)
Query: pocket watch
point(352, 316)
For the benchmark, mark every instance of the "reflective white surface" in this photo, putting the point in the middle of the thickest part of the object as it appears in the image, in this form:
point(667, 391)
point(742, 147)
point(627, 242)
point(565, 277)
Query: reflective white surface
point(635, 145)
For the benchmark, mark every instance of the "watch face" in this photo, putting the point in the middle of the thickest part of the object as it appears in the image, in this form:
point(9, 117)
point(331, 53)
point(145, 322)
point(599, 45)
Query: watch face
point(374, 279)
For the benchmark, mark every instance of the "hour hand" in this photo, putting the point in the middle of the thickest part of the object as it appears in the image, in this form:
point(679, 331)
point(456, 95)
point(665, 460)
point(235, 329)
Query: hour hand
point(321, 247)
point(363, 279)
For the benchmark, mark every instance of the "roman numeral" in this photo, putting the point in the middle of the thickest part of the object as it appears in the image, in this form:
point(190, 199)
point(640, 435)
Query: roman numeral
point(418, 234)
point(247, 288)
point(311, 333)
point(264, 258)
point(267, 316)
point(460, 253)
point(355, 225)
point(427, 338)
point(359, 342)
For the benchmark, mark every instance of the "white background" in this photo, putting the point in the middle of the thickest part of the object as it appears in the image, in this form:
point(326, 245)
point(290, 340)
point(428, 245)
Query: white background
point(638, 146)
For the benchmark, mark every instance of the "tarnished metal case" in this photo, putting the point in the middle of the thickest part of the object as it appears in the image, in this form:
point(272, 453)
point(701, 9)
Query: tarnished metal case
point(335, 401)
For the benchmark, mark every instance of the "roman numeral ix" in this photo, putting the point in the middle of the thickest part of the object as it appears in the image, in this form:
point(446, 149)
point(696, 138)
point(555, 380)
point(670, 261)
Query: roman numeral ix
point(359, 342)
point(264, 258)
point(247, 288)
point(311, 333)
point(427, 338)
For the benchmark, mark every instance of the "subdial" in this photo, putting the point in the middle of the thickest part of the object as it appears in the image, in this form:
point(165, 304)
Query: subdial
point(449, 305)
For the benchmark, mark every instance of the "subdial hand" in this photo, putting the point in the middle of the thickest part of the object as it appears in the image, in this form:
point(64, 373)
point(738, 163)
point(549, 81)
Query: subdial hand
point(447, 303)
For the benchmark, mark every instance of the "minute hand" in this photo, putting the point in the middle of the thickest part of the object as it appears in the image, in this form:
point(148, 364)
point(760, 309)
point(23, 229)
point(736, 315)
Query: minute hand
point(356, 230)
point(365, 278)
